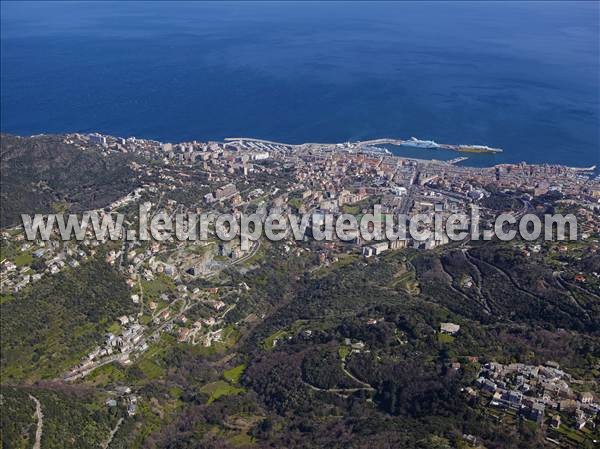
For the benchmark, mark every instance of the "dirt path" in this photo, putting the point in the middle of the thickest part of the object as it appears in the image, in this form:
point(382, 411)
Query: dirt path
point(112, 434)
point(506, 275)
point(525, 291)
point(480, 300)
point(40, 423)
point(343, 392)
point(566, 285)
point(141, 312)
point(365, 385)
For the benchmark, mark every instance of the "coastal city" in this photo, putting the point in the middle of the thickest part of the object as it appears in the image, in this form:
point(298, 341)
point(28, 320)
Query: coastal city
point(241, 174)
point(168, 280)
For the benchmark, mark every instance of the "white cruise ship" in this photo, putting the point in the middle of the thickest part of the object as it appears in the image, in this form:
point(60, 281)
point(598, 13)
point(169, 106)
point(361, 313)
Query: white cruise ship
point(414, 142)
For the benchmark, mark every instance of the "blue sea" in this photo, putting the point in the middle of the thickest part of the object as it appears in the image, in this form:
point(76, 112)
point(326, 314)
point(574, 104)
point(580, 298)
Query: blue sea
point(522, 76)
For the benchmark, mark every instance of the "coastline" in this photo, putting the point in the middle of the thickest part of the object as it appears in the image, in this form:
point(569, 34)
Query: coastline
point(367, 146)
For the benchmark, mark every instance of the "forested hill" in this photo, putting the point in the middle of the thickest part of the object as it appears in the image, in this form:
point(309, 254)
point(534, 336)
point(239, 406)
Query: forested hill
point(43, 173)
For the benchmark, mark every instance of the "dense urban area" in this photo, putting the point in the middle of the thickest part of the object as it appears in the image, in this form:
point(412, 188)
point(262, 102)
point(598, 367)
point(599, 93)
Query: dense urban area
point(296, 343)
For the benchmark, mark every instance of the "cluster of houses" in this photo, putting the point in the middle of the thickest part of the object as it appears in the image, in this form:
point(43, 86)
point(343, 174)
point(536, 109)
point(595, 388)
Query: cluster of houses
point(538, 392)
point(49, 257)
point(122, 394)
point(131, 338)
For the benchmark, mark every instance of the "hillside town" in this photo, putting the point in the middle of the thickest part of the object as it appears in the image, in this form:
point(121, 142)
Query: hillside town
point(247, 174)
point(543, 394)
point(241, 175)
point(169, 281)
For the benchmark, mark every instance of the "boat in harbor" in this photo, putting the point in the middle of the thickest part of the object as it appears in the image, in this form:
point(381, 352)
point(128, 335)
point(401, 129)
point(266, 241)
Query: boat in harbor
point(417, 143)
